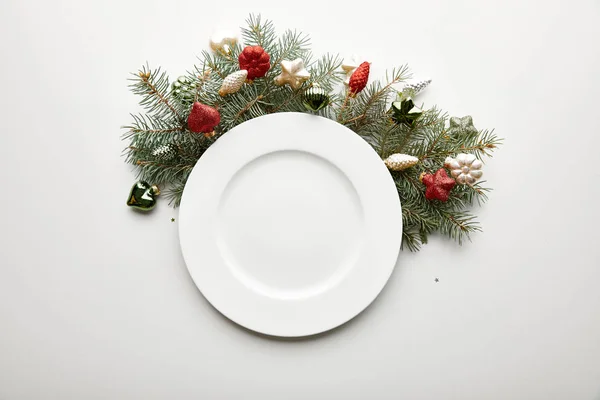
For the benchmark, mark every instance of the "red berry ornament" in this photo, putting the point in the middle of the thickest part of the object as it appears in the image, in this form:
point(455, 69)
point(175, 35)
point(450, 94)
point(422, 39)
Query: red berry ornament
point(359, 78)
point(438, 185)
point(203, 119)
point(256, 61)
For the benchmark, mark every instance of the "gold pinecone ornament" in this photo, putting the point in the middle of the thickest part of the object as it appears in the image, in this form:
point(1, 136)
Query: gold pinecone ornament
point(233, 82)
point(400, 162)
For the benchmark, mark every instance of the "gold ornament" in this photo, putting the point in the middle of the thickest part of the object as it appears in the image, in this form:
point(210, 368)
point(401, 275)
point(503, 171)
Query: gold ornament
point(223, 41)
point(293, 73)
point(400, 162)
point(465, 168)
point(349, 66)
point(233, 82)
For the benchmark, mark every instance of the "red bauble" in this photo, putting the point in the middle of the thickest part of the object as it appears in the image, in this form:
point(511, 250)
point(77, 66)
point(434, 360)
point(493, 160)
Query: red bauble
point(256, 61)
point(359, 78)
point(203, 118)
point(438, 185)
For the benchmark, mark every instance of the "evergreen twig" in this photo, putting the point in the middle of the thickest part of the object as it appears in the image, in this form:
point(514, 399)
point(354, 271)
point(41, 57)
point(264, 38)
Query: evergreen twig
point(368, 114)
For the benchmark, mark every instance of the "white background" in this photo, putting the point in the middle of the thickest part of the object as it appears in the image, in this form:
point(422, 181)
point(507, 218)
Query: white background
point(96, 302)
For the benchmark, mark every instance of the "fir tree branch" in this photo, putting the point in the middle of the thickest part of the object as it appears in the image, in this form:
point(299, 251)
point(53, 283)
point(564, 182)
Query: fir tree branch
point(368, 114)
point(153, 89)
point(248, 106)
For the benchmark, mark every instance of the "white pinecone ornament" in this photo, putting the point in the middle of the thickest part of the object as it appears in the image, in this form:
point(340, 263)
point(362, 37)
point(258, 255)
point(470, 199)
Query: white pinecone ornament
point(400, 162)
point(233, 82)
point(165, 152)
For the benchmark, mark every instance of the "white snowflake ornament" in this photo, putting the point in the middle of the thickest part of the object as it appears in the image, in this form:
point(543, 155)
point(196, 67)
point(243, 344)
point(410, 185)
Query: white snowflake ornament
point(400, 162)
point(465, 168)
point(293, 73)
point(233, 82)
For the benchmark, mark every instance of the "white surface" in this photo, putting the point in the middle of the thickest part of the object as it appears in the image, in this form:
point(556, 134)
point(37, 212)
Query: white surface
point(95, 300)
point(284, 233)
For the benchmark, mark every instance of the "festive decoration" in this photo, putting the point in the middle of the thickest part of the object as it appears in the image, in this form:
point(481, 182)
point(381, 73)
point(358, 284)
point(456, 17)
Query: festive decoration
point(223, 41)
point(465, 168)
point(413, 88)
point(405, 112)
point(203, 119)
point(418, 140)
point(349, 66)
point(316, 99)
point(233, 82)
point(462, 125)
point(142, 196)
point(438, 185)
point(293, 73)
point(255, 60)
point(165, 152)
point(359, 78)
point(400, 162)
point(183, 88)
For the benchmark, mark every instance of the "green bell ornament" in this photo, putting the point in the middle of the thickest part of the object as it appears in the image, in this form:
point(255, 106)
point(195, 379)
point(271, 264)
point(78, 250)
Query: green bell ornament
point(316, 99)
point(405, 112)
point(142, 196)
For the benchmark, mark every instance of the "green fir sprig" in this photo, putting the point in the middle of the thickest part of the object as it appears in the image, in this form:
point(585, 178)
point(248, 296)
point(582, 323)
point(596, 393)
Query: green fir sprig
point(369, 114)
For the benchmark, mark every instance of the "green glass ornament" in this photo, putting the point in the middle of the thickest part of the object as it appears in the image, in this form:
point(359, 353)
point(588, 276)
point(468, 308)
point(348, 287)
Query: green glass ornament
point(462, 125)
point(183, 88)
point(142, 196)
point(316, 99)
point(405, 112)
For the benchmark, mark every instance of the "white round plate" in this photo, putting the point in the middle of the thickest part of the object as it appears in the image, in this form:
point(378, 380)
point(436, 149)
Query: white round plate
point(290, 224)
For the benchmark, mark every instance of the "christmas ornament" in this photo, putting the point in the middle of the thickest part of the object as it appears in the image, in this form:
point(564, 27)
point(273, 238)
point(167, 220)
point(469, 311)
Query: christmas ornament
point(142, 196)
point(221, 84)
point(233, 82)
point(349, 66)
point(316, 98)
point(465, 168)
point(293, 73)
point(223, 41)
point(183, 88)
point(203, 119)
point(399, 162)
point(438, 185)
point(414, 87)
point(405, 112)
point(165, 152)
point(462, 125)
point(359, 78)
point(255, 60)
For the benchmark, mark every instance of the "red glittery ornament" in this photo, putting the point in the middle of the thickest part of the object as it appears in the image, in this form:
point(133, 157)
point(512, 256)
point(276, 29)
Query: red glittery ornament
point(438, 185)
point(256, 61)
point(203, 118)
point(359, 78)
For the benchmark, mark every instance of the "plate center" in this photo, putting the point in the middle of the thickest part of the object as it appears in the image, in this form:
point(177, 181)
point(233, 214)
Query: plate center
point(290, 224)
